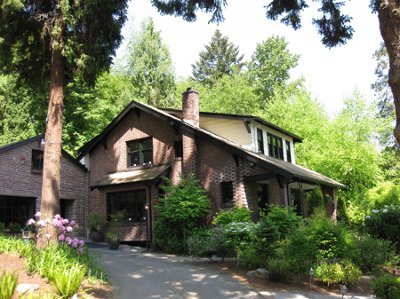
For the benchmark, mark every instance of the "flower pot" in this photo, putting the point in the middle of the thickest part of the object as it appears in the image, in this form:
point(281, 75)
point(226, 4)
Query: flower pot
point(113, 245)
point(96, 236)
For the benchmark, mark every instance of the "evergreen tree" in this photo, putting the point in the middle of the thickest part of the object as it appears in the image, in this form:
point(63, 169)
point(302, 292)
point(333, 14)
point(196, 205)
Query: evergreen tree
point(50, 42)
point(220, 58)
point(149, 66)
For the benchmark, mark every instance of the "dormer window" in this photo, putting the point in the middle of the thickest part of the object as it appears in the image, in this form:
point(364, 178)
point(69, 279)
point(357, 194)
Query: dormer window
point(275, 146)
point(37, 160)
point(140, 152)
point(260, 141)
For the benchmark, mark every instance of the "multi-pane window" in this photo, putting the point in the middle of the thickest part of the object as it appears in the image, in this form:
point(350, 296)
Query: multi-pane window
point(227, 192)
point(130, 204)
point(275, 146)
point(37, 160)
point(260, 141)
point(16, 209)
point(140, 152)
point(288, 152)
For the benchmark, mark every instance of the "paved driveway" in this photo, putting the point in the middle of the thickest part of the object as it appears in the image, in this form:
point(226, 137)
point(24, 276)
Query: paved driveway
point(136, 274)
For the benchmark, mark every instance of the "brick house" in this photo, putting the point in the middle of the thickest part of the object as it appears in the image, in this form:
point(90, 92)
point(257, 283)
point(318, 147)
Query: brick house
point(21, 167)
point(240, 160)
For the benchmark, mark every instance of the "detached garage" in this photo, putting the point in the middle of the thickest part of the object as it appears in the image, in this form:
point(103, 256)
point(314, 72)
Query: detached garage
point(21, 166)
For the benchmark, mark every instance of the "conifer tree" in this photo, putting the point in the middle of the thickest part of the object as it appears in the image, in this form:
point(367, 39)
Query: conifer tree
point(149, 66)
point(220, 58)
point(47, 43)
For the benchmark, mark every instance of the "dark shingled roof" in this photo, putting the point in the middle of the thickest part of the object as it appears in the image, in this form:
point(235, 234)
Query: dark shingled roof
point(279, 167)
point(38, 138)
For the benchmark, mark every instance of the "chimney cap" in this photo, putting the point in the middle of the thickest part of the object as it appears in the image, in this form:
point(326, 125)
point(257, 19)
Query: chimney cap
point(190, 90)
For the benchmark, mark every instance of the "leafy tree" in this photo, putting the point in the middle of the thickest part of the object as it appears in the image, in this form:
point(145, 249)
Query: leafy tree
point(21, 110)
point(332, 24)
point(150, 67)
point(220, 57)
point(87, 110)
point(341, 148)
point(270, 66)
point(47, 42)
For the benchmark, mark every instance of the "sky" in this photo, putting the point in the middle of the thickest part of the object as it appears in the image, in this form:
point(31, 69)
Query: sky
point(330, 74)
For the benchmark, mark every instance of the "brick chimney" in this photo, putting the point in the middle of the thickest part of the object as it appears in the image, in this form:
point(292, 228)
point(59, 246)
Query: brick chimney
point(190, 115)
point(190, 107)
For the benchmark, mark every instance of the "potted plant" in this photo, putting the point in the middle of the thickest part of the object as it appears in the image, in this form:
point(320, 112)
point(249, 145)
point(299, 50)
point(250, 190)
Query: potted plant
point(113, 240)
point(96, 224)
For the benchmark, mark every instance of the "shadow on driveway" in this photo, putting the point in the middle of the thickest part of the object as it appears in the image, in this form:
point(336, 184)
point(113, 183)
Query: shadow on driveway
point(137, 274)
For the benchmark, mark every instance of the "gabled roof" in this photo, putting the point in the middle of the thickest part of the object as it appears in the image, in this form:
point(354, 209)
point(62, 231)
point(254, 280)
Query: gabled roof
point(241, 117)
point(38, 139)
point(289, 170)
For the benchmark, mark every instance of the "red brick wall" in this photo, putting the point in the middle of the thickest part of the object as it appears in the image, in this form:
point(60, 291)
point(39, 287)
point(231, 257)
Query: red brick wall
point(17, 179)
point(104, 161)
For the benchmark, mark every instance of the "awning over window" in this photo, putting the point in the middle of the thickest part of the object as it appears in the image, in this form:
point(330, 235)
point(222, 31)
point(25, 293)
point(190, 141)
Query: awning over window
point(134, 176)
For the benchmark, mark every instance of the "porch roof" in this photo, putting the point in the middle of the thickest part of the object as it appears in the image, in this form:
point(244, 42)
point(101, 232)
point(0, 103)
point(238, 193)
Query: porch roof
point(144, 174)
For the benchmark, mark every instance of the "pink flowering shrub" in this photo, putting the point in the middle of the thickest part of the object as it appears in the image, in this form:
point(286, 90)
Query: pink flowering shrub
point(64, 229)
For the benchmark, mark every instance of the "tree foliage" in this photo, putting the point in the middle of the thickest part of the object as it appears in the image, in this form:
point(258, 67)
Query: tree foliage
point(270, 66)
point(332, 24)
point(22, 110)
point(220, 58)
point(149, 66)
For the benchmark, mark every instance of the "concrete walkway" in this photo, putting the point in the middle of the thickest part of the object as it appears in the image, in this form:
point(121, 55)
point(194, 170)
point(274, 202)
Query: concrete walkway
point(137, 274)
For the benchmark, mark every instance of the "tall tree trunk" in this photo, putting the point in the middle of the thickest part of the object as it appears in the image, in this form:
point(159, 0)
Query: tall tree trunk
point(389, 21)
point(50, 202)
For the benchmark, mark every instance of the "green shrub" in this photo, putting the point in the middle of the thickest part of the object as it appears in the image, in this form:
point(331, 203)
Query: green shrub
point(276, 225)
point(180, 210)
point(315, 200)
point(239, 235)
point(279, 270)
point(68, 280)
point(385, 224)
point(374, 253)
point(200, 243)
point(319, 239)
point(14, 227)
point(344, 272)
point(8, 282)
point(250, 258)
point(226, 217)
point(386, 286)
point(384, 194)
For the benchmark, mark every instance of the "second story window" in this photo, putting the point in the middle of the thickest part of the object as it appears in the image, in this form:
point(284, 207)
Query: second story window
point(37, 160)
point(275, 146)
point(140, 152)
point(260, 141)
point(288, 152)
